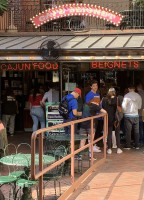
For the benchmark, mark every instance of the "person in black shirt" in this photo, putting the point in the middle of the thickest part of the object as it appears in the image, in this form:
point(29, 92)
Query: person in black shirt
point(9, 110)
point(109, 103)
point(89, 109)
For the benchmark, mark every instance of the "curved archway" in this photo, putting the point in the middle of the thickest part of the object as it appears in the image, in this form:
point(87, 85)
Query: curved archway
point(76, 10)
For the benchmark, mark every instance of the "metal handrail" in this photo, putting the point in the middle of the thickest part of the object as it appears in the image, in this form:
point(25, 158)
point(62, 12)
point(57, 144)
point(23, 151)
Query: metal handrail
point(39, 175)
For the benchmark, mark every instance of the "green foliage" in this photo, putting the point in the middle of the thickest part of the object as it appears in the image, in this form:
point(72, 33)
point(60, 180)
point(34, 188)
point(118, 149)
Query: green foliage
point(3, 6)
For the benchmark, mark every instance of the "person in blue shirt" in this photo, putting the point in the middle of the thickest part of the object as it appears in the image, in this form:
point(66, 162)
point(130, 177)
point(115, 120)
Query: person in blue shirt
point(73, 108)
point(93, 93)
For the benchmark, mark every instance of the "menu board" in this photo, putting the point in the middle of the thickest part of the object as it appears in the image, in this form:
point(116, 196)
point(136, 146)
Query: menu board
point(53, 117)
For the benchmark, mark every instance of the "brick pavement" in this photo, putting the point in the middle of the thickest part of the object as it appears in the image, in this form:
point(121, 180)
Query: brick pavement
point(120, 178)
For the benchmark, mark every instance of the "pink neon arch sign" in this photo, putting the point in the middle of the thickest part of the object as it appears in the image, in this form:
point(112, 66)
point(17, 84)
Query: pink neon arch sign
point(76, 10)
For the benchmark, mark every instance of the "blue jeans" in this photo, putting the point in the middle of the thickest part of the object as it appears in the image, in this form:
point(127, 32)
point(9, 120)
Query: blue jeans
point(37, 114)
point(140, 130)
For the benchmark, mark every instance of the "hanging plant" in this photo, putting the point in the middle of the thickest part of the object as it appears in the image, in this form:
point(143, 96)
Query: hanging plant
point(3, 6)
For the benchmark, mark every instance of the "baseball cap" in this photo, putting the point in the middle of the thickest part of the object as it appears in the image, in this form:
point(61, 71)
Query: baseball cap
point(111, 90)
point(78, 91)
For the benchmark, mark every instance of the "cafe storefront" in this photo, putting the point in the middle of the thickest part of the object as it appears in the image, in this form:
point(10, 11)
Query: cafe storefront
point(112, 59)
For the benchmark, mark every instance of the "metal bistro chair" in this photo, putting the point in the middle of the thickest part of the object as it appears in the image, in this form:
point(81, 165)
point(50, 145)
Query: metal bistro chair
point(51, 144)
point(56, 173)
point(12, 172)
point(20, 147)
point(11, 149)
point(9, 179)
point(24, 180)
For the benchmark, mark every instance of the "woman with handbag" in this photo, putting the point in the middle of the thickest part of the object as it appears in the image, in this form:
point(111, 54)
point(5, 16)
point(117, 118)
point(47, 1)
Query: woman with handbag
point(109, 103)
point(36, 112)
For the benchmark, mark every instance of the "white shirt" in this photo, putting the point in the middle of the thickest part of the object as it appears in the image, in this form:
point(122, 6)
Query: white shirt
point(132, 102)
point(51, 96)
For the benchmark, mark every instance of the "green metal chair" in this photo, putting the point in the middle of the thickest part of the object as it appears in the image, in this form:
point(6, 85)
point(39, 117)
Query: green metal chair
point(9, 179)
point(50, 145)
point(56, 173)
point(9, 149)
point(24, 182)
point(20, 150)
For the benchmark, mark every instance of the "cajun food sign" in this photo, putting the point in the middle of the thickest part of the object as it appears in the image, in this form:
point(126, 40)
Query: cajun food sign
point(76, 10)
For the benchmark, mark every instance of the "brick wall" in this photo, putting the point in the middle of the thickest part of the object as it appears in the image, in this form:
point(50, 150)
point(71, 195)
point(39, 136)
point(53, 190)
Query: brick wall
point(26, 9)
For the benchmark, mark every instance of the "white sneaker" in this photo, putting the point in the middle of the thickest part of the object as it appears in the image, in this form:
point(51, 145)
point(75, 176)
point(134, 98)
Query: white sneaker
point(119, 151)
point(93, 158)
point(109, 151)
point(97, 146)
point(95, 149)
point(114, 146)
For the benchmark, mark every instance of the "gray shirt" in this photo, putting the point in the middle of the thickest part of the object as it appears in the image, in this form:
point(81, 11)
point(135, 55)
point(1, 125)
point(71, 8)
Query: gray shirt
point(51, 96)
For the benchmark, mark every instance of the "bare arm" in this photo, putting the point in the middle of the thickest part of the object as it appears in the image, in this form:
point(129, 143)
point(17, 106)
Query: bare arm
point(76, 113)
point(43, 102)
point(103, 111)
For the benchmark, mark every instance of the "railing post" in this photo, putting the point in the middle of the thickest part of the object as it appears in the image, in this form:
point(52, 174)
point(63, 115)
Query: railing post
point(105, 134)
point(71, 156)
point(91, 140)
point(72, 153)
point(41, 165)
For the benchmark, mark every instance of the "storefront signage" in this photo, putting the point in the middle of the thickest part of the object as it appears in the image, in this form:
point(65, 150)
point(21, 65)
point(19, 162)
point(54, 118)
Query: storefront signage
point(116, 65)
point(28, 66)
point(76, 10)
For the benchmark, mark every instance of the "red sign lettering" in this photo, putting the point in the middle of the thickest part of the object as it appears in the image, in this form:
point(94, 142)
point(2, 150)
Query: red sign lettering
point(116, 65)
point(40, 66)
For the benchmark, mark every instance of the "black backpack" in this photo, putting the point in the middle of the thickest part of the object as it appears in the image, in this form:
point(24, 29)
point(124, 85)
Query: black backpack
point(63, 107)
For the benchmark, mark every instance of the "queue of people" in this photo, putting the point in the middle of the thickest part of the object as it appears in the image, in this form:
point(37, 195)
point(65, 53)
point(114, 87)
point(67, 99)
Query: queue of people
point(132, 105)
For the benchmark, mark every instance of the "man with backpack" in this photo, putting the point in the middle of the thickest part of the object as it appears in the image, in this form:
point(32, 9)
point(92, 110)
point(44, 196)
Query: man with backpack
point(68, 108)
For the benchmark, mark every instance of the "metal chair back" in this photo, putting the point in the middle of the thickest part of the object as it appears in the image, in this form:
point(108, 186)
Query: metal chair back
point(21, 146)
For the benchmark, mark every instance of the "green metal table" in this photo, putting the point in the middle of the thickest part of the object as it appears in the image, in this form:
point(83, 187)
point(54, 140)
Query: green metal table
point(66, 138)
point(18, 159)
point(25, 160)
